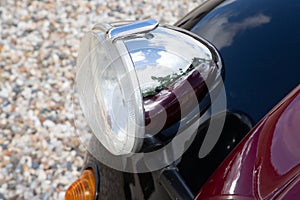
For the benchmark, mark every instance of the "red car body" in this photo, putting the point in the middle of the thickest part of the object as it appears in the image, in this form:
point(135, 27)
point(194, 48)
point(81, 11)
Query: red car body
point(266, 164)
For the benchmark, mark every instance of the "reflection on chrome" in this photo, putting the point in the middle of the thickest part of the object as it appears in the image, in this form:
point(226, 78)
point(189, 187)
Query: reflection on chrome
point(163, 58)
point(161, 82)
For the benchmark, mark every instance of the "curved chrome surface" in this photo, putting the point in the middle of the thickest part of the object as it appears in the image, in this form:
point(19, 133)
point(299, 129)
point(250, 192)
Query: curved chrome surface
point(131, 29)
point(161, 73)
point(176, 71)
point(163, 55)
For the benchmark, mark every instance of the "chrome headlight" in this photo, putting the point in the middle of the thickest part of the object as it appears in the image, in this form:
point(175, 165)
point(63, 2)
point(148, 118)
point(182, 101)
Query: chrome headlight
point(125, 76)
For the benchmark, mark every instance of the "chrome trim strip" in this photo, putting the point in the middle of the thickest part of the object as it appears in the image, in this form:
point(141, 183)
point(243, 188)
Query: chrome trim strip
point(133, 28)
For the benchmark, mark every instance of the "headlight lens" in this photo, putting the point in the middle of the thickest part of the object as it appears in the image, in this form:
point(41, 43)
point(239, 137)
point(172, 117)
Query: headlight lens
point(109, 93)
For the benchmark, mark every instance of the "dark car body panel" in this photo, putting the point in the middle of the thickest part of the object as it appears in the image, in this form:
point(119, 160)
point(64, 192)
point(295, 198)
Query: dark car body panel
point(259, 42)
point(260, 45)
point(266, 164)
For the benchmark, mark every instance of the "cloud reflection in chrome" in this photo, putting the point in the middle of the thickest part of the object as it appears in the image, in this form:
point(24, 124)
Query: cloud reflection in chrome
point(222, 31)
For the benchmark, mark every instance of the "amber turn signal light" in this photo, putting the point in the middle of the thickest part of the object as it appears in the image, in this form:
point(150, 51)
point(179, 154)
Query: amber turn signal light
point(83, 188)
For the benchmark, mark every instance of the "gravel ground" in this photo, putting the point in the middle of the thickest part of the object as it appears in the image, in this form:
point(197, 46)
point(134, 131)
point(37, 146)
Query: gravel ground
point(40, 154)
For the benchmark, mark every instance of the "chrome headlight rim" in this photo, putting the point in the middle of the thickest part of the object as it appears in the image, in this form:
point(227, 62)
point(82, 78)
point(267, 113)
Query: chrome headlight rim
point(119, 43)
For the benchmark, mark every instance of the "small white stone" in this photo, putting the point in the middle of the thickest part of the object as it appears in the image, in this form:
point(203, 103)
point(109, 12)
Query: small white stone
point(48, 123)
point(42, 175)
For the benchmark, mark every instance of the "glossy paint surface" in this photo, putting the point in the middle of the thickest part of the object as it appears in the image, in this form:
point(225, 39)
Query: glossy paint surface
point(267, 162)
point(260, 45)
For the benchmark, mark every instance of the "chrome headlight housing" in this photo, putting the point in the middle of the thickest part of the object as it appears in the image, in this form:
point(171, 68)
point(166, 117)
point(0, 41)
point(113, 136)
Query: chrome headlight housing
point(122, 72)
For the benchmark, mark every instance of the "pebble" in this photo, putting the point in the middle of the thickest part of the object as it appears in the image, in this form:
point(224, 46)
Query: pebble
point(41, 153)
point(2, 197)
point(35, 164)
